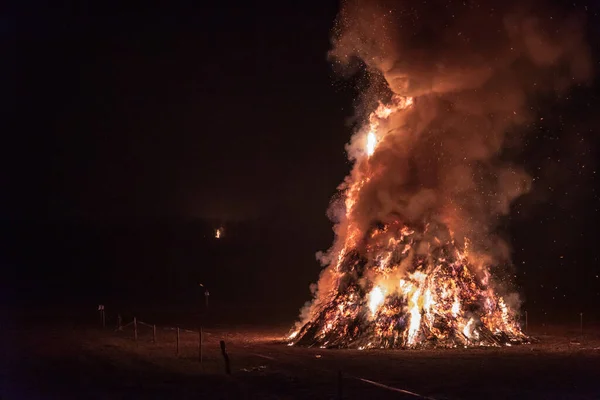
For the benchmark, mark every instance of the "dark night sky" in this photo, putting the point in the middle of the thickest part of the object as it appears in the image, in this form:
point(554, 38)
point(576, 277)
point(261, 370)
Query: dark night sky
point(129, 117)
point(162, 113)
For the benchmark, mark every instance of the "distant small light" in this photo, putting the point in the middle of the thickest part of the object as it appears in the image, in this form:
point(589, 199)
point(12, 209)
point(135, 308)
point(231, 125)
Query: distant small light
point(219, 233)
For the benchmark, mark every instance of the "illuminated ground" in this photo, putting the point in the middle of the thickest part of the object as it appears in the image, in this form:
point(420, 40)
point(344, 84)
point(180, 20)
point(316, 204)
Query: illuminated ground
point(90, 363)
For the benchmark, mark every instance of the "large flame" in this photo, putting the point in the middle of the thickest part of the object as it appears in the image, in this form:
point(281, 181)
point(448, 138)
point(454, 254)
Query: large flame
point(381, 113)
point(396, 285)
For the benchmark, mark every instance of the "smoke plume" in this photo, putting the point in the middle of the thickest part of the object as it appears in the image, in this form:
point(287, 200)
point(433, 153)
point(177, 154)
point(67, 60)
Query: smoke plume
point(471, 68)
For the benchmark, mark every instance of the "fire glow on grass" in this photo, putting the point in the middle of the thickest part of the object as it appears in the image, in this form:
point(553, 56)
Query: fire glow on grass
point(403, 286)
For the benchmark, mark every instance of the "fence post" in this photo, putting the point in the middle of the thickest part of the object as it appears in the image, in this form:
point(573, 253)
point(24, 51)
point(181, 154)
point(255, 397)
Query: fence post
point(135, 329)
point(339, 385)
point(154, 333)
point(200, 345)
point(119, 323)
point(101, 315)
point(526, 322)
point(581, 322)
point(225, 357)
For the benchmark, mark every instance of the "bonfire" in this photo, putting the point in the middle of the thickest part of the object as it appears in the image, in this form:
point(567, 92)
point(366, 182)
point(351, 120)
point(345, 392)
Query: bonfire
point(401, 284)
point(449, 91)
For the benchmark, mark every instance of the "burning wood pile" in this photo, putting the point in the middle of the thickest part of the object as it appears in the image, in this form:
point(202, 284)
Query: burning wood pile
point(440, 300)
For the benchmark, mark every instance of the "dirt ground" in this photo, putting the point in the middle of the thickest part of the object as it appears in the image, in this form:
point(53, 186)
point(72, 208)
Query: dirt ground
point(91, 363)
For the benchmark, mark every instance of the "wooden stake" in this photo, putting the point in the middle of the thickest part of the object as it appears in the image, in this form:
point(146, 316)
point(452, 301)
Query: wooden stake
point(526, 321)
point(154, 333)
point(581, 323)
point(101, 315)
point(225, 357)
point(135, 329)
point(200, 345)
point(119, 323)
point(177, 341)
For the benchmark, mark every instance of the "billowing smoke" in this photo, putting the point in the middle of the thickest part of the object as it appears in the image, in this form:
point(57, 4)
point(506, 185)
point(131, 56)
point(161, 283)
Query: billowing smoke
point(472, 70)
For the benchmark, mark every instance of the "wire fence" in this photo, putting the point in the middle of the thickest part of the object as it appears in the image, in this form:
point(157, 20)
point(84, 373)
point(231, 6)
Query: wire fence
point(135, 324)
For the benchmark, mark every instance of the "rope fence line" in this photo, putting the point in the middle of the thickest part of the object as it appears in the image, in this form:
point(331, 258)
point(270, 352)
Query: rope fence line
point(164, 328)
point(201, 334)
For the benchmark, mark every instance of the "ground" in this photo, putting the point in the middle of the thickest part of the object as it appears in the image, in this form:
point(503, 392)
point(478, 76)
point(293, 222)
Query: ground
point(61, 361)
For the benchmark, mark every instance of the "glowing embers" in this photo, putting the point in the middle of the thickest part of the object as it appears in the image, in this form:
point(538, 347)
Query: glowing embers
point(388, 296)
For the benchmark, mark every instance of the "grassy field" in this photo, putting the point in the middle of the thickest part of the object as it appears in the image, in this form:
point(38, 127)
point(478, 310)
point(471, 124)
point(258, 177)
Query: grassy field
point(87, 362)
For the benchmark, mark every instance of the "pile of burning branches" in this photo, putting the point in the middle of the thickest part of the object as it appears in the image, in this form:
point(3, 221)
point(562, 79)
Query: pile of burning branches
point(391, 295)
point(401, 284)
